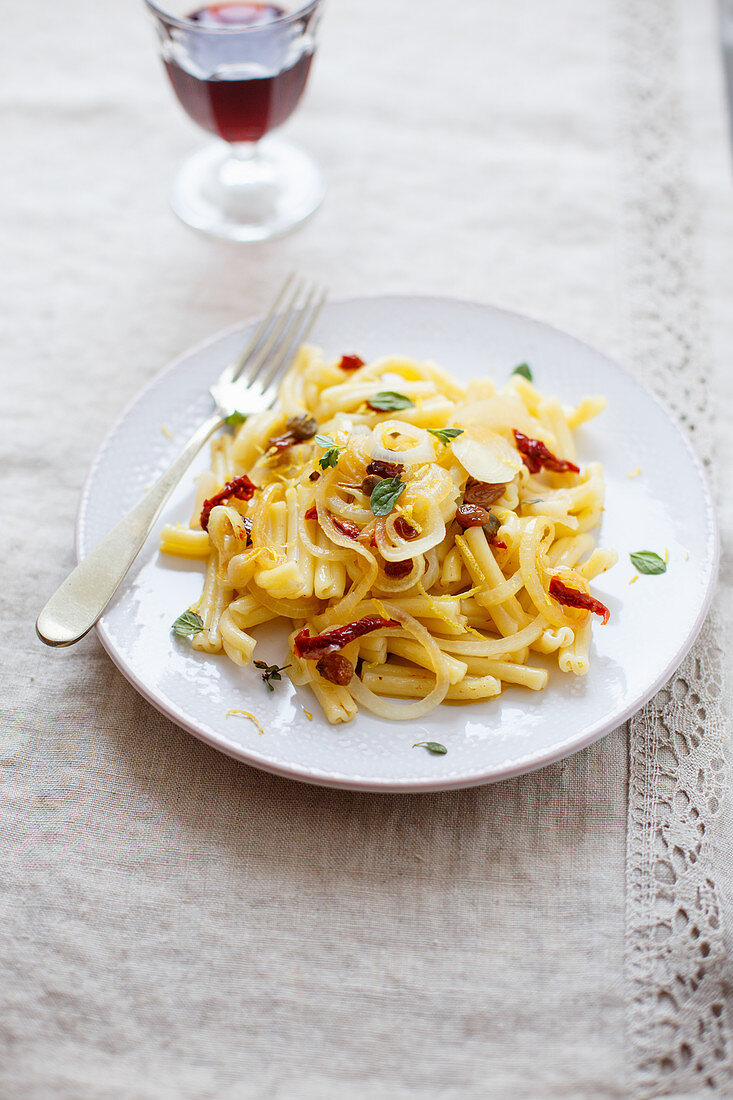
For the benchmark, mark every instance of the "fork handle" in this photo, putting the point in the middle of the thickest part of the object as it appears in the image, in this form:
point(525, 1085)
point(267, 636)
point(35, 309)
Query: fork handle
point(80, 600)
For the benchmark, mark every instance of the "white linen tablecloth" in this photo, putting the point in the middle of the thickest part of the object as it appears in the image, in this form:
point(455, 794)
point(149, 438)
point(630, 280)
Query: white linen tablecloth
point(175, 924)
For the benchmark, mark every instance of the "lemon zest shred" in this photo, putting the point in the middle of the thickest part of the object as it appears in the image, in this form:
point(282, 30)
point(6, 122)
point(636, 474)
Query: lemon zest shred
point(407, 511)
point(473, 565)
point(458, 595)
point(636, 472)
point(440, 614)
point(247, 714)
point(308, 714)
point(666, 555)
point(166, 431)
point(382, 610)
point(634, 578)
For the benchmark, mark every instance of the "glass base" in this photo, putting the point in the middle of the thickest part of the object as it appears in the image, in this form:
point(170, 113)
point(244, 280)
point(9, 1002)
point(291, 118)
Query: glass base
point(247, 194)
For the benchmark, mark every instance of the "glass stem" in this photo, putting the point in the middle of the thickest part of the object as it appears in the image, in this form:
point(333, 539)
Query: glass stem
point(244, 151)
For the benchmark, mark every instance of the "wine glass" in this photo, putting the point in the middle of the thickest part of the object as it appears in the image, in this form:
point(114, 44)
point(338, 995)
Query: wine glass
point(239, 70)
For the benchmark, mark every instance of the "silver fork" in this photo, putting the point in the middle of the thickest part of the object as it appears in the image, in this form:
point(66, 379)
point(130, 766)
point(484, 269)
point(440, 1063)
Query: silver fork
point(249, 385)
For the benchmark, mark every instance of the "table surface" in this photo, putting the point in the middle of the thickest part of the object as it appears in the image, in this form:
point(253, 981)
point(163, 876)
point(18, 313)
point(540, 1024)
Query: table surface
point(173, 923)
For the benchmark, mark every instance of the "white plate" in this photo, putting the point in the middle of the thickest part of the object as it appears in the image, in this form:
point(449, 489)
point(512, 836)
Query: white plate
point(653, 621)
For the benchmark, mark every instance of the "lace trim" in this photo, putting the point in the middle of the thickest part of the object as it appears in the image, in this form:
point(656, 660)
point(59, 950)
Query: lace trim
point(678, 1019)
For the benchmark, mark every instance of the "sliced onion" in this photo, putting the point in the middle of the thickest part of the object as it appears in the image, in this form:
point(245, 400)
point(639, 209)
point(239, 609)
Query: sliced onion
point(394, 548)
point(377, 704)
point(422, 450)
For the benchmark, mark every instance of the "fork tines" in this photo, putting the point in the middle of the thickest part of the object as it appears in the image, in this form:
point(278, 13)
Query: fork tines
point(279, 335)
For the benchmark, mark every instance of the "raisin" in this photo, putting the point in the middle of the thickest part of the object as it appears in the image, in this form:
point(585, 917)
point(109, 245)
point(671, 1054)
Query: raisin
point(484, 493)
point(404, 529)
point(384, 469)
point(398, 568)
point(471, 515)
point(314, 476)
point(336, 668)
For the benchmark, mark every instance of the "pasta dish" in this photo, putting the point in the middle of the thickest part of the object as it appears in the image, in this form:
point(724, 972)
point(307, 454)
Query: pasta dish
point(424, 539)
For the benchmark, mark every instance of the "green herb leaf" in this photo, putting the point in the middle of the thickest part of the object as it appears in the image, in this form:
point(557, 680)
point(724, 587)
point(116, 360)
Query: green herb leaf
point(524, 370)
point(389, 401)
point(431, 746)
point(188, 624)
point(386, 495)
point(235, 419)
point(445, 434)
point(646, 561)
point(329, 458)
point(271, 672)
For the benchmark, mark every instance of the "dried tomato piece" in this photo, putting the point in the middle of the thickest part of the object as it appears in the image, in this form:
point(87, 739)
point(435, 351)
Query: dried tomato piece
point(239, 487)
point(279, 443)
point(484, 493)
point(299, 429)
point(471, 515)
point(404, 528)
point(536, 455)
point(571, 597)
point(336, 668)
point(346, 527)
point(311, 648)
point(398, 568)
point(384, 469)
point(351, 362)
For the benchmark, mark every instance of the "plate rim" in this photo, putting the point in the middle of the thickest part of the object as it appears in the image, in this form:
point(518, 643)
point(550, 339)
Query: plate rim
point(427, 784)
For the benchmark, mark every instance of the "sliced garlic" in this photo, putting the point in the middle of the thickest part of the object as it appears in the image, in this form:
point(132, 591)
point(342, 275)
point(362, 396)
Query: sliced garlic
point(486, 455)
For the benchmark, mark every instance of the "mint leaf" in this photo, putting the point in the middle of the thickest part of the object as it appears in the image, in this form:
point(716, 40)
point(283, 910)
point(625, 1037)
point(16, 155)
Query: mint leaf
point(646, 561)
point(524, 370)
point(431, 746)
point(235, 419)
point(445, 434)
point(389, 401)
point(331, 456)
point(188, 624)
point(386, 495)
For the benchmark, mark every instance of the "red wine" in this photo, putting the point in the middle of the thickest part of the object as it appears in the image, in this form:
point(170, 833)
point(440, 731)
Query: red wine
point(238, 108)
